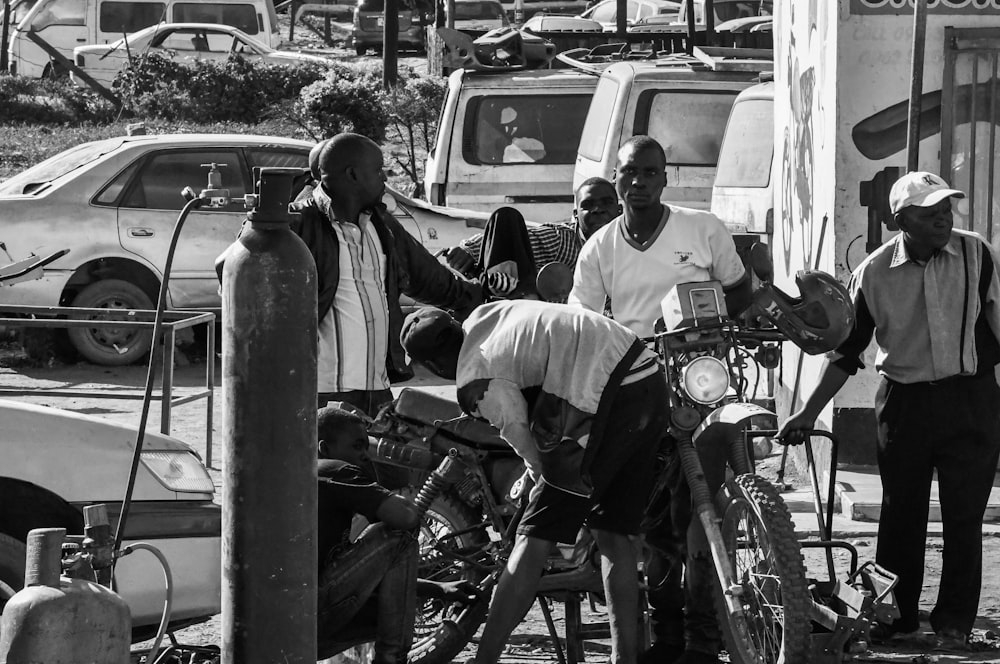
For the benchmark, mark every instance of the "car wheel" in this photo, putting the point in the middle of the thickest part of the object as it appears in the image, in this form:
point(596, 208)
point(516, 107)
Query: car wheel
point(112, 346)
point(360, 50)
point(12, 552)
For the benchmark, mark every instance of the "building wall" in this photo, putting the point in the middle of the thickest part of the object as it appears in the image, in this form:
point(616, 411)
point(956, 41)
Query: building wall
point(843, 79)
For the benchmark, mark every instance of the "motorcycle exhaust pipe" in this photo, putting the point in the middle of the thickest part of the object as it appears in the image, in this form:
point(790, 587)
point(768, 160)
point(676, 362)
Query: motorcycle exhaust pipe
point(398, 454)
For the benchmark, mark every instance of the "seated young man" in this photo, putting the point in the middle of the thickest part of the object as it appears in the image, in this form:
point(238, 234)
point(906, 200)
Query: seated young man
point(368, 589)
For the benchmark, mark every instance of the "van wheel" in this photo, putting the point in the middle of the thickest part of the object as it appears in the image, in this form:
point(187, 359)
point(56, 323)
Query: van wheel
point(360, 50)
point(112, 346)
point(55, 70)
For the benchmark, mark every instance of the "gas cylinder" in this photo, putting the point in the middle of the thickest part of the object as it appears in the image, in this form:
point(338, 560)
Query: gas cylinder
point(59, 620)
point(269, 311)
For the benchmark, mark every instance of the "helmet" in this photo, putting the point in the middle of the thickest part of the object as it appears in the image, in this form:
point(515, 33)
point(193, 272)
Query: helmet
point(816, 322)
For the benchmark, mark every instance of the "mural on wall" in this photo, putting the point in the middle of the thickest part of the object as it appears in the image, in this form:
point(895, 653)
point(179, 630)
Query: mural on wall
point(933, 6)
point(805, 74)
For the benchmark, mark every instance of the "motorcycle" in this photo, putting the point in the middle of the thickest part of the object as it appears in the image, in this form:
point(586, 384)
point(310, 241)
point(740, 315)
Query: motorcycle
point(770, 612)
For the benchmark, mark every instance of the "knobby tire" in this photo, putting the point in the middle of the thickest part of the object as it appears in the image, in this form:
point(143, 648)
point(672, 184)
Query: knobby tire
point(766, 560)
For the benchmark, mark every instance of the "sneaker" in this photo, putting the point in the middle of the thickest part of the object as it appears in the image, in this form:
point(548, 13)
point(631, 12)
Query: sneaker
point(951, 639)
point(661, 653)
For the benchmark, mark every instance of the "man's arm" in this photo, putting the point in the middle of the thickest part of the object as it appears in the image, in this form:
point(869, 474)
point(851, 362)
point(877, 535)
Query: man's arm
point(588, 290)
point(503, 406)
point(739, 296)
point(429, 281)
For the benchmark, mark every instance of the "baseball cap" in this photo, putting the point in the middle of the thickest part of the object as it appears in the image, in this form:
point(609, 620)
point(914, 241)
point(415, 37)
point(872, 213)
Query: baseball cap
point(921, 189)
point(424, 333)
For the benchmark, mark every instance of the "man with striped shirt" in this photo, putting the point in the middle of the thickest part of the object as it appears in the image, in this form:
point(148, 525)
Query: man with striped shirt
point(930, 298)
point(596, 205)
point(365, 260)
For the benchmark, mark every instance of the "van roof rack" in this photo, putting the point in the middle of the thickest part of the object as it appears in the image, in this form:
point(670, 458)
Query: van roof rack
point(499, 50)
point(595, 59)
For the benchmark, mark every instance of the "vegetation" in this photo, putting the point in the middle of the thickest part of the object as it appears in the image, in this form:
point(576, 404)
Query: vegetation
point(41, 118)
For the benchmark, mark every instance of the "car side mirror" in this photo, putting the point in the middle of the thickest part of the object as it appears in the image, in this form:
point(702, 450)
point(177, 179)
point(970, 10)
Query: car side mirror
point(760, 261)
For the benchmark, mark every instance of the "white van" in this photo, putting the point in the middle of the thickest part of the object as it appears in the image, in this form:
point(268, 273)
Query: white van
point(681, 104)
point(509, 139)
point(743, 194)
point(66, 24)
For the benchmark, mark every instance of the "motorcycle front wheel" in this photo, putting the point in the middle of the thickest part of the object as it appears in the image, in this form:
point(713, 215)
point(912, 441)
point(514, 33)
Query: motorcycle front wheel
point(766, 562)
point(442, 628)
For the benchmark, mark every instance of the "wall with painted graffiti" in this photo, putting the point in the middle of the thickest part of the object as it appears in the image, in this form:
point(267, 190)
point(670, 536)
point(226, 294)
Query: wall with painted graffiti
point(843, 70)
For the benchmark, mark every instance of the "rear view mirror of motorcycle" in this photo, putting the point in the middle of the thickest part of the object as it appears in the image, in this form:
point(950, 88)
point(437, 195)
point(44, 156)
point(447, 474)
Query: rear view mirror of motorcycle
point(760, 261)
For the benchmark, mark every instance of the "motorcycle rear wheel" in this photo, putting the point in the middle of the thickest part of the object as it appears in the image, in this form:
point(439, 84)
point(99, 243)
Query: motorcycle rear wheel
point(766, 560)
point(442, 628)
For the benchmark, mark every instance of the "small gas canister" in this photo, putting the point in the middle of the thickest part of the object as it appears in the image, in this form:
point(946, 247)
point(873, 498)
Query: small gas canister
point(59, 620)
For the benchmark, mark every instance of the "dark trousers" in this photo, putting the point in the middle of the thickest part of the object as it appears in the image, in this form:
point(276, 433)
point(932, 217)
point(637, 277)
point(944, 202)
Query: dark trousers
point(953, 427)
point(506, 239)
point(681, 574)
point(367, 591)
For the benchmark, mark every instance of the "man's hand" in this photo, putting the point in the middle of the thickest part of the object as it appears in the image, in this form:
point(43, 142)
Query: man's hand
point(451, 591)
point(461, 261)
point(796, 429)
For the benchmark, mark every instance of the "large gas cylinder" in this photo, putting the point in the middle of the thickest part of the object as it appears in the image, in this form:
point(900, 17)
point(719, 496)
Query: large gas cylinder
point(269, 310)
point(59, 620)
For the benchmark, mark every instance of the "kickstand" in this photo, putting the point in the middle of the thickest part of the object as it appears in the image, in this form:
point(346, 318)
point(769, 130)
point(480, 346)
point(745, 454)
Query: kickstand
point(543, 604)
point(779, 482)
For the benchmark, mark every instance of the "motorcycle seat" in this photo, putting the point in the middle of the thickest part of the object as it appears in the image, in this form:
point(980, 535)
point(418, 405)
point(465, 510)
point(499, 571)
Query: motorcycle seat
point(446, 415)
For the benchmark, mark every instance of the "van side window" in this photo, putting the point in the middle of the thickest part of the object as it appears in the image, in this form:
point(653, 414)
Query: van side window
point(595, 132)
point(67, 12)
point(242, 16)
point(688, 124)
point(162, 176)
point(524, 129)
point(748, 147)
point(127, 17)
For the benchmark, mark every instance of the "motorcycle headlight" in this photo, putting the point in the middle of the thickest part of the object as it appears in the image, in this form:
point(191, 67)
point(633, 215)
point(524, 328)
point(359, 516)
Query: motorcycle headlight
point(705, 380)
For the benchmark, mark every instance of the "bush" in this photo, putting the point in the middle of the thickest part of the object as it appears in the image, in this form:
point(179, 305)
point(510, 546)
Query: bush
point(25, 100)
point(345, 99)
point(235, 90)
point(412, 108)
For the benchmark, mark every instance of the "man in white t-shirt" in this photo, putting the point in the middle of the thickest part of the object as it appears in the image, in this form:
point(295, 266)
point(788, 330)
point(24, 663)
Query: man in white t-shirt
point(635, 260)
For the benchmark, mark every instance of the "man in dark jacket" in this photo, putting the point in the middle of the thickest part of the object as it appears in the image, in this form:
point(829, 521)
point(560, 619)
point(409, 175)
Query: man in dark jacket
point(365, 260)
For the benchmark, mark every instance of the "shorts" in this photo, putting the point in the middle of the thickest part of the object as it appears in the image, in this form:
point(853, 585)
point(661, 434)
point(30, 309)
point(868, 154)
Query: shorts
point(622, 471)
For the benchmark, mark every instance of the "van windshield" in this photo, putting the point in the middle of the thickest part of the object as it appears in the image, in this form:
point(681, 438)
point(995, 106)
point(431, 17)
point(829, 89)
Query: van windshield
point(524, 128)
point(597, 128)
point(60, 12)
point(747, 150)
point(36, 178)
point(689, 125)
point(477, 10)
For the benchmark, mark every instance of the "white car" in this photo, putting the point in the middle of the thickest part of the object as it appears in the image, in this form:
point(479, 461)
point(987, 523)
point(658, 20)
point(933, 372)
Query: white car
point(56, 462)
point(606, 12)
point(561, 23)
point(113, 203)
point(180, 42)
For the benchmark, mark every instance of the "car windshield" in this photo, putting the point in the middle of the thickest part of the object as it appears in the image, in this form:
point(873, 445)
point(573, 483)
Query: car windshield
point(477, 10)
point(35, 179)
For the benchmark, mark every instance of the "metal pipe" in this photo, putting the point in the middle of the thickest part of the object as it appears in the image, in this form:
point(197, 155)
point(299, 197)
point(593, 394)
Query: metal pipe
point(916, 84)
point(269, 506)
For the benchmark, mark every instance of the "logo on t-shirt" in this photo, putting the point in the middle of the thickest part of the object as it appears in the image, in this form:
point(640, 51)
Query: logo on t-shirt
point(683, 256)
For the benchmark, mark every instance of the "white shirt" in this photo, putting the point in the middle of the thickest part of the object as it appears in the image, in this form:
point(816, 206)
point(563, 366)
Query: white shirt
point(688, 246)
point(354, 334)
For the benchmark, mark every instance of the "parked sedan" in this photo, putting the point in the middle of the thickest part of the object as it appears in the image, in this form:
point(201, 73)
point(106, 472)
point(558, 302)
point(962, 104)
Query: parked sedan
point(606, 12)
point(57, 462)
point(114, 203)
point(182, 42)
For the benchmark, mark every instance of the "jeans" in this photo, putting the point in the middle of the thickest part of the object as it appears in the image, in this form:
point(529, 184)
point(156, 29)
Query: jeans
point(369, 589)
point(681, 573)
point(953, 427)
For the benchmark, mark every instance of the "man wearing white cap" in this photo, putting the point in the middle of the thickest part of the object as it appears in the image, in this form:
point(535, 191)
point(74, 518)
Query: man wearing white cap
point(930, 297)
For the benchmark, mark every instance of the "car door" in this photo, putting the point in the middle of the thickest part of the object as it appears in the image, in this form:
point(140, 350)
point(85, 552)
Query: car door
point(149, 206)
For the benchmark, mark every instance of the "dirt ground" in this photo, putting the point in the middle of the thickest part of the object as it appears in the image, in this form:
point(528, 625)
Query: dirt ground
point(530, 642)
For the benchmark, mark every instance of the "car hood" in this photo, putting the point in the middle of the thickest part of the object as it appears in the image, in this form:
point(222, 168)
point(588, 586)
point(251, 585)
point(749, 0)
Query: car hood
point(97, 49)
point(295, 56)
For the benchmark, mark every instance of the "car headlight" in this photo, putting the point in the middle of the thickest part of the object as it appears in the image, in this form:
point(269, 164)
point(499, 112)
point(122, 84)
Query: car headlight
point(178, 471)
point(705, 380)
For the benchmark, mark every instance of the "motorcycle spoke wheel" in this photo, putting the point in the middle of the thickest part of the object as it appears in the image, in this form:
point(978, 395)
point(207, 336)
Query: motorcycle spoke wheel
point(442, 628)
point(766, 562)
